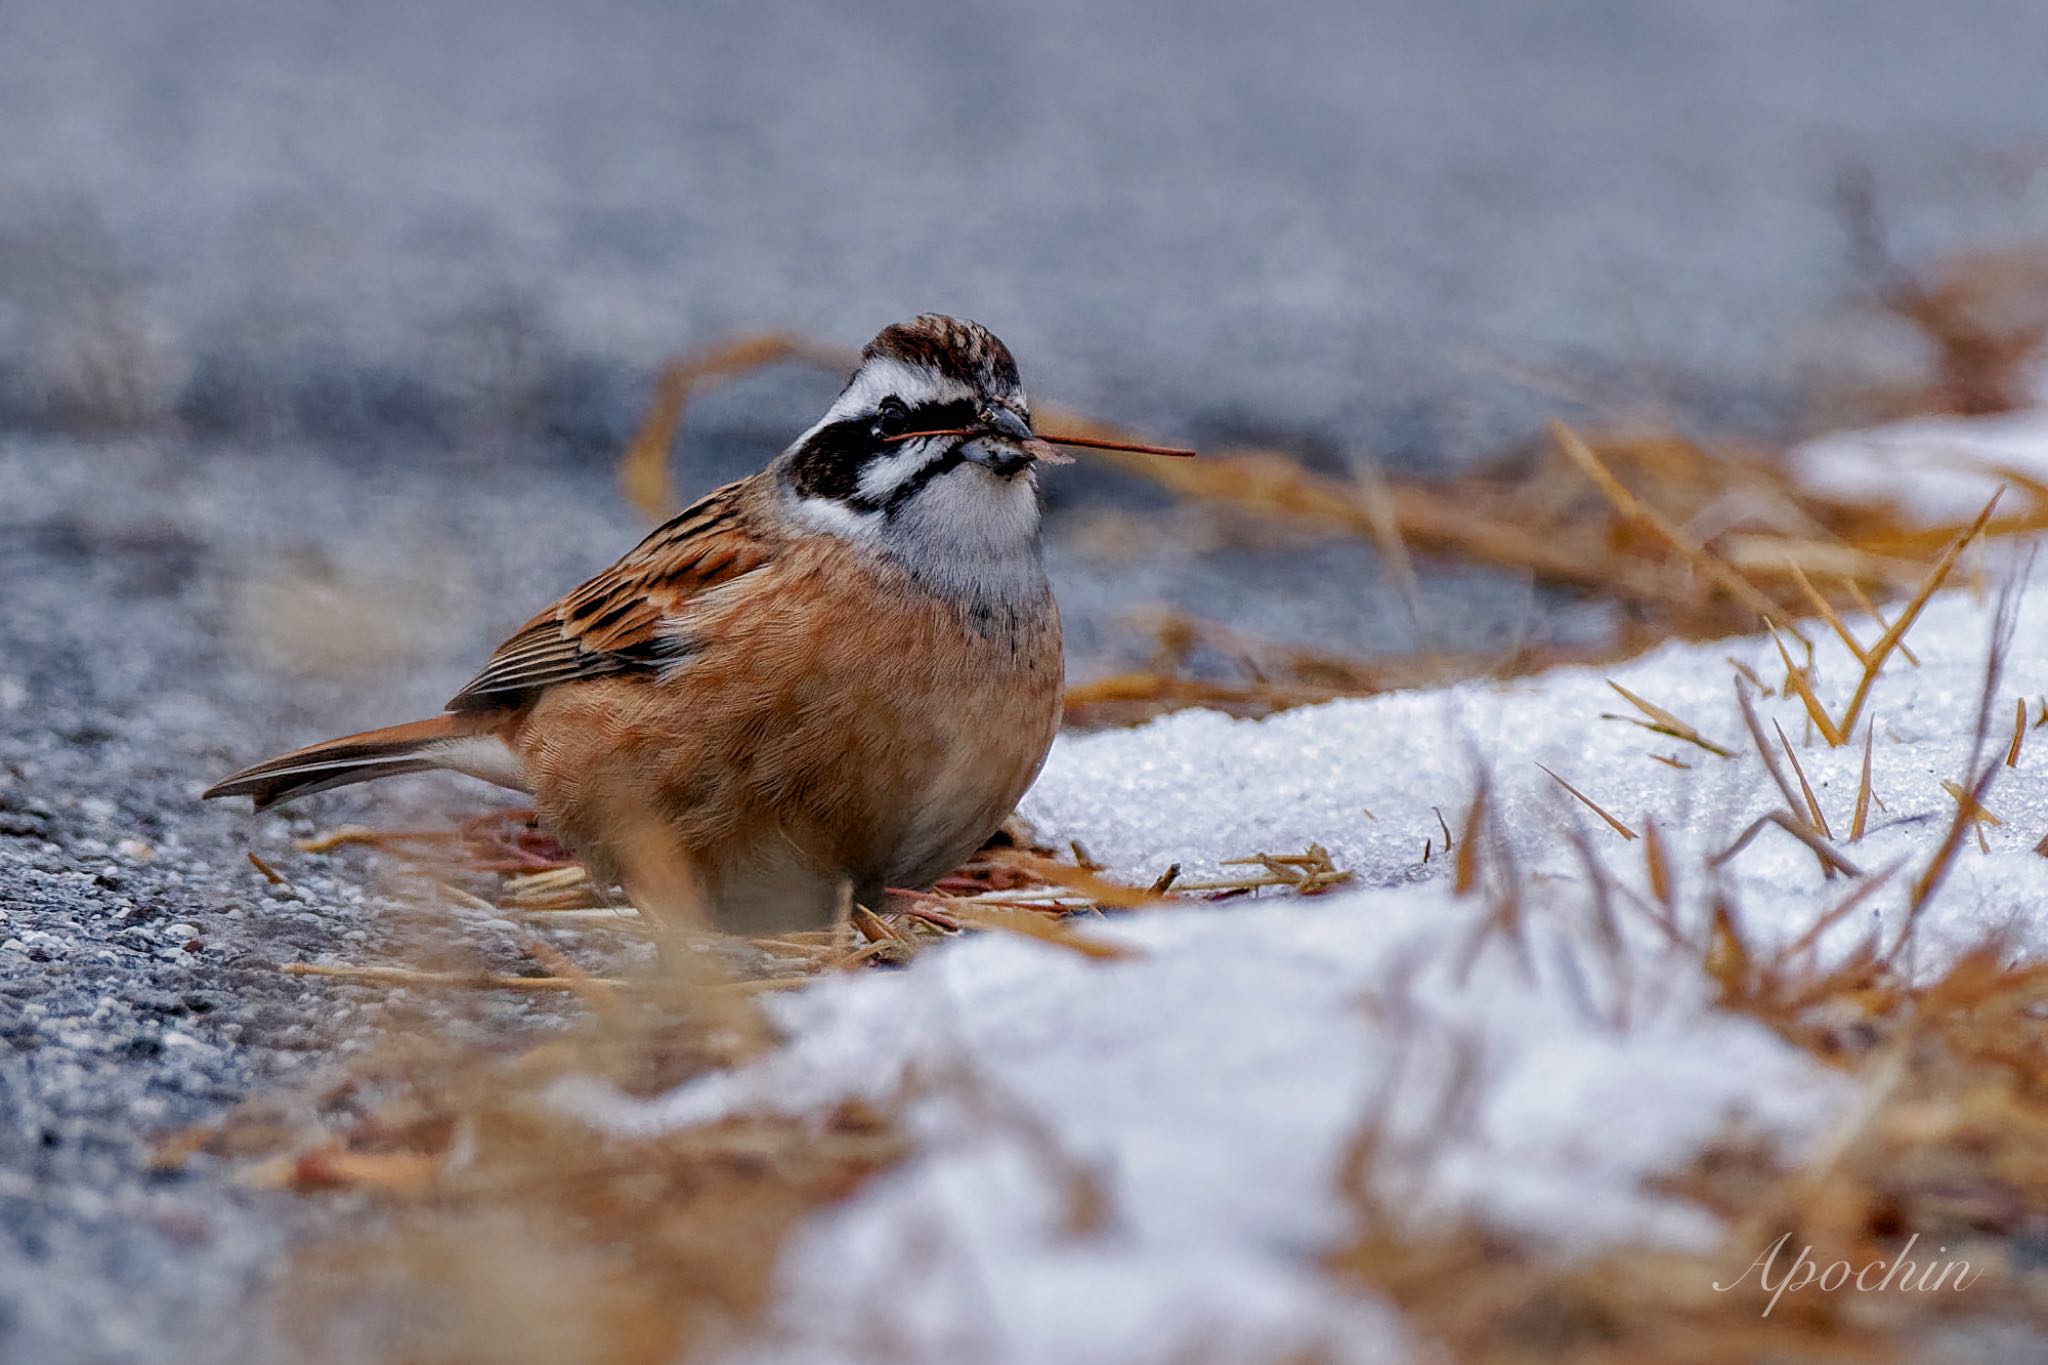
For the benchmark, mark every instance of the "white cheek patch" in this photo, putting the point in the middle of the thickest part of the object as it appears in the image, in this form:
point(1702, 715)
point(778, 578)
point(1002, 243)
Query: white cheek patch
point(883, 476)
point(836, 518)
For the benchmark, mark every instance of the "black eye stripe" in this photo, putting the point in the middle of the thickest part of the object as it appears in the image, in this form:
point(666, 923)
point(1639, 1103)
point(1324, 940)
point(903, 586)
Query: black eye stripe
point(830, 463)
point(942, 416)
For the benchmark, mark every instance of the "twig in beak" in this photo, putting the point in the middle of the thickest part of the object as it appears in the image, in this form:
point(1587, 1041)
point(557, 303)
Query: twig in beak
point(1042, 447)
point(1097, 443)
point(1038, 449)
point(920, 435)
point(1035, 448)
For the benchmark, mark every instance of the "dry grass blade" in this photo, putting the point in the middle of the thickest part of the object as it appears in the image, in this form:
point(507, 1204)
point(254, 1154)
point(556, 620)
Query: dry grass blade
point(1775, 555)
point(492, 981)
point(1432, 519)
point(1030, 924)
point(1820, 820)
point(1098, 889)
point(270, 874)
point(1856, 590)
point(1863, 790)
point(1657, 866)
point(1970, 811)
point(401, 1174)
point(1936, 872)
point(374, 838)
point(1662, 722)
point(1634, 509)
point(1149, 689)
point(407, 976)
point(2019, 733)
point(557, 891)
point(872, 927)
point(1465, 875)
point(885, 949)
point(644, 470)
point(592, 991)
point(1504, 918)
point(2002, 471)
point(1827, 612)
point(1617, 826)
point(1728, 958)
point(1895, 633)
point(1290, 674)
point(1307, 872)
point(1831, 860)
point(944, 923)
point(1763, 748)
point(1798, 681)
point(1970, 804)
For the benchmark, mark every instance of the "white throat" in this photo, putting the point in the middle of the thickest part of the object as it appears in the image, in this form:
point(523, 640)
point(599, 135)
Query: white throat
point(969, 535)
point(972, 535)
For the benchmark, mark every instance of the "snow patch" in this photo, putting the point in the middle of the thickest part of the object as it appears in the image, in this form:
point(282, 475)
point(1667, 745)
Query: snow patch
point(1142, 1159)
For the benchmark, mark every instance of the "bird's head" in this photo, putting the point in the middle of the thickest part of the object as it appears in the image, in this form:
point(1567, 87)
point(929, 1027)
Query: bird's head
point(930, 438)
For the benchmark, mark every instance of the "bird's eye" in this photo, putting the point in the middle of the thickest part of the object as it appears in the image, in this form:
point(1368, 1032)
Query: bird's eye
point(891, 419)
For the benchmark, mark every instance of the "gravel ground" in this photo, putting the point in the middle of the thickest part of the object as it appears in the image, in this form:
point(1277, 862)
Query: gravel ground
point(316, 324)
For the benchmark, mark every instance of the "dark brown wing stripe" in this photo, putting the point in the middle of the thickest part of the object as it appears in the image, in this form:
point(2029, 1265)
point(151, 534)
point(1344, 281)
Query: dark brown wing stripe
point(612, 624)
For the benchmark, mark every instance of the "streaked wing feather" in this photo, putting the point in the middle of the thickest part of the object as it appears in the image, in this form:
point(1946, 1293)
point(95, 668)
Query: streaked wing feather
point(613, 623)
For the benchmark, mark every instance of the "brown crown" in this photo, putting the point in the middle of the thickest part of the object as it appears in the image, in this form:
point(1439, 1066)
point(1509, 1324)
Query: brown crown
point(954, 347)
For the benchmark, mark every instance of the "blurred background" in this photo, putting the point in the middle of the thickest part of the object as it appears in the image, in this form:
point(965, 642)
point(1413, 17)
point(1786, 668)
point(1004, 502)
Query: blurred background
point(324, 325)
point(462, 237)
point(1333, 223)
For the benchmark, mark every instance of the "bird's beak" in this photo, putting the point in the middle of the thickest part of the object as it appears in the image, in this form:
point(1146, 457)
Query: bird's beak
point(1007, 443)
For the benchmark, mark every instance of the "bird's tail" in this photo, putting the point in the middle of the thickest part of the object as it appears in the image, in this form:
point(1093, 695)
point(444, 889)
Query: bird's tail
point(464, 742)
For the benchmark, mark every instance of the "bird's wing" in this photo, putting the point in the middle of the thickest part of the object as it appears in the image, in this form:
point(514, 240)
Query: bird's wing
point(614, 623)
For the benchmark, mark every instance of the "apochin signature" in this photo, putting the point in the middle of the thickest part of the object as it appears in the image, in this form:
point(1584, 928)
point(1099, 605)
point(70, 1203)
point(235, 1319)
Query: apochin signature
point(1873, 1277)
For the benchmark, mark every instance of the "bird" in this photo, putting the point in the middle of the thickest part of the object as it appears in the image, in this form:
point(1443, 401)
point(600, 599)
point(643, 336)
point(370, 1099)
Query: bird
point(828, 679)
